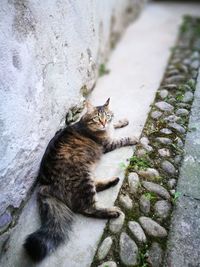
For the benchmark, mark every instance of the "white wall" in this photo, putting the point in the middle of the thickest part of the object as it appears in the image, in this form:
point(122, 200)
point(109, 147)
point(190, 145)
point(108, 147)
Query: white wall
point(48, 51)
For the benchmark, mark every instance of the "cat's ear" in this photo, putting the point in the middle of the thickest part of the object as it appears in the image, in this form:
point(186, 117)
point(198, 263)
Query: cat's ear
point(89, 106)
point(107, 102)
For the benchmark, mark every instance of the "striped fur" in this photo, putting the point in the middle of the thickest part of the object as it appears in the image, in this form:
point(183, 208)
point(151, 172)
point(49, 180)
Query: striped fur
point(66, 180)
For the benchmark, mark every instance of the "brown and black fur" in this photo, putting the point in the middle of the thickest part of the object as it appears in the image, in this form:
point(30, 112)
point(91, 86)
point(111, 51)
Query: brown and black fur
point(66, 180)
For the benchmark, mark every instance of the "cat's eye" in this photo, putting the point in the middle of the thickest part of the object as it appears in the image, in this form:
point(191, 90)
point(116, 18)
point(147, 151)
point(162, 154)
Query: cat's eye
point(96, 119)
point(109, 117)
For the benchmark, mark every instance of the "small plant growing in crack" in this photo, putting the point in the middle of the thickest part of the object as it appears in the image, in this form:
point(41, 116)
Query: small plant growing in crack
point(176, 196)
point(150, 196)
point(139, 163)
point(103, 70)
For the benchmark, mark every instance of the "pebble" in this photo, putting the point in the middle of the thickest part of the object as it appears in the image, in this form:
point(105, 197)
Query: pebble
point(137, 232)
point(195, 64)
point(145, 204)
point(168, 167)
point(183, 68)
point(144, 141)
point(162, 208)
point(171, 183)
point(187, 61)
point(163, 140)
point(108, 264)
point(126, 202)
point(172, 100)
point(183, 105)
point(175, 79)
point(177, 127)
point(156, 188)
point(170, 86)
point(172, 73)
point(172, 192)
point(164, 106)
point(188, 97)
point(182, 112)
point(134, 182)
point(179, 142)
point(140, 152)
point(115, 225)
point(128, 250)
point(172, 118)
point(166, 131)
point(163, 93)
point(164, 152)
point(195, 55)
point(152, 228)
point(155, 255)
point(104, 248)
point(149, 173)
point(156, 114)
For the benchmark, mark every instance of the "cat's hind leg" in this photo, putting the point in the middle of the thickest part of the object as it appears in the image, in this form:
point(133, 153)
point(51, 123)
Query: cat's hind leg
point(102, 213)
point(102, 185)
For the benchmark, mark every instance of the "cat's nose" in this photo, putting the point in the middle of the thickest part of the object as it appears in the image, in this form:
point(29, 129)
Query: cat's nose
point(103, 122)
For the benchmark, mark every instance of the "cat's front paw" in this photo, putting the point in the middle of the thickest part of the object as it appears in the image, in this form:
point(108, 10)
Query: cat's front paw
point(116, 212)
point(133, 140)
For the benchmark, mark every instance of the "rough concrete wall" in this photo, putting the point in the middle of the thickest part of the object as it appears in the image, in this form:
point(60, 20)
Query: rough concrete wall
point(49, 51)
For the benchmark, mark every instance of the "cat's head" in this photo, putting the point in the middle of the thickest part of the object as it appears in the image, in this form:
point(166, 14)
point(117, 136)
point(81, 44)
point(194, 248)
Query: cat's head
point(98, 118)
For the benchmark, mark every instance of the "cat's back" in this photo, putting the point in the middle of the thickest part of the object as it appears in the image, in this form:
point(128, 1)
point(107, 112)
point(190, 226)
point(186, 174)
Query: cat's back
point(69, 147)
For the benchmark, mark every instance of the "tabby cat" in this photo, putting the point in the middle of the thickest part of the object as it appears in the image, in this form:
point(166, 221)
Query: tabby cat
point(66, 183)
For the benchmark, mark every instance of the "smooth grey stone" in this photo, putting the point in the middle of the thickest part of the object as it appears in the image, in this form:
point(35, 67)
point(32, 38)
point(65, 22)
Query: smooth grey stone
point(171, 183)
point(164, 152)
point(149, 174)
point(175, 79)
point(163, 140)
point(183, 68)
point(188, 97)
point(166, 131)
point(108, 264)
point(137, 232)
point(183, 105)
point(104, 248)
point(152, 228)
point(156, 114)
point(156, 188)
point(162, 208)
point(177, 127)
point(145, 204)
point(164, 106)
point(156, 254)
point(115, 225)
point(170, 86)
point(168, 167)
point(172, 118)
point(179, 142)
point(195, 55)
point(182, 112)
point(134, 182)
point(141, 152)
point(144, 141)
point(163, 93)
point(128, 250)
point(195, 64)
point(126, 202)
point(172, 73)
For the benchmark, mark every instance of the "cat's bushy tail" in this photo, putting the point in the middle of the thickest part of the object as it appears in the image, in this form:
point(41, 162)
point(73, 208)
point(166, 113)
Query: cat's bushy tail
point(56, 219)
